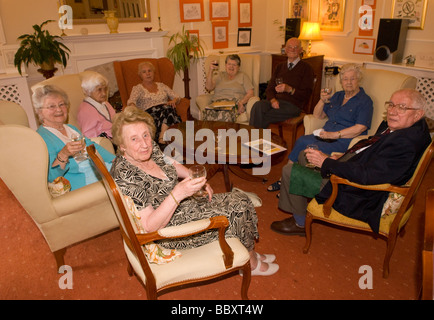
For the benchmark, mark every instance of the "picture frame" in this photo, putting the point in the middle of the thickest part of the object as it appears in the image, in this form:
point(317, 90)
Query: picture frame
point(220, 34)
point(414, 10)
point(371, 3)
point(193, 34)
point(220, 10)
point(364, 46)
point(244, 13)
point(331, 15)
point(299, 9)
point(244, 37)
point(191, 10)
point(366, 21)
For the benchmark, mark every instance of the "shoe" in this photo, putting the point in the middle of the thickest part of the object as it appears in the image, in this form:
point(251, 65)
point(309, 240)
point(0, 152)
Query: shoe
point(272, 269)
point(268, 257)
point(288, 227)
point(274, 186)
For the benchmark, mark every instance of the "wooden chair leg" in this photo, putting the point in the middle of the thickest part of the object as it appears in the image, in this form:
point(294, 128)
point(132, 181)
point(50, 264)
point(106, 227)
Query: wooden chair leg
point(391, 241)
point(246, 281)
point(308, 229)
point(59, 256)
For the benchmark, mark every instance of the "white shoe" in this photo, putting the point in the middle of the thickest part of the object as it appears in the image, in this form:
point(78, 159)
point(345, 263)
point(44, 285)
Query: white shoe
point(272, 269)
point(268, 257)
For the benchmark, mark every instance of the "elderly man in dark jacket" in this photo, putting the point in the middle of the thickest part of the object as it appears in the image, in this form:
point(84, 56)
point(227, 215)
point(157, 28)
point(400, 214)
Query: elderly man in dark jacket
point(390, 156)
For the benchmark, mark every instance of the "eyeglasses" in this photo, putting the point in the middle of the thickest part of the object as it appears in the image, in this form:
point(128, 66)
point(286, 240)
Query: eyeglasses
point(292, 48)
point(54, 107)
point(400, 107)
point(348, 79)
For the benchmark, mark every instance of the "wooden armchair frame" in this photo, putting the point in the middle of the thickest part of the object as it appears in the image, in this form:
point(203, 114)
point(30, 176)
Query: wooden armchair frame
point(134, 241)
point(389, 227)
point(427, 252)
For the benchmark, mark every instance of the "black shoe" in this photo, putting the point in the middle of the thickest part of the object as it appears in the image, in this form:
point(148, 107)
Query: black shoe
point(288, 227)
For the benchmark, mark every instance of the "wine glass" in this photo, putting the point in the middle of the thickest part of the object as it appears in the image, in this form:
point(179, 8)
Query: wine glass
point(279, 81)
point(328, 91)
point(198, 171)
point(79, 156)
point(314, 147)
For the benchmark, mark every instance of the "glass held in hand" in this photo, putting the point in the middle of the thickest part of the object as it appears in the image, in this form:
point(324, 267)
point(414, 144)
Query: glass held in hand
point(314, 147)
point(198, 171)
point(279, 81)
point(327, 91)
point(79, 156)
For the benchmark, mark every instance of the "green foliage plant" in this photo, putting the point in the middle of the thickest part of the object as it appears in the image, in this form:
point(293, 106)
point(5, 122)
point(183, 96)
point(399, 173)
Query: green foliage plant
point(41, 48)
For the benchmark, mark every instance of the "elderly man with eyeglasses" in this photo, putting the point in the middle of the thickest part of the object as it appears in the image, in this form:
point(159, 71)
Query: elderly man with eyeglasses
point(390, 156)
point(288, 90)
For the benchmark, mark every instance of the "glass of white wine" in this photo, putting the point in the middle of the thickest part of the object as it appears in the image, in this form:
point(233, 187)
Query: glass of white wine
point(198, 171)
point(311, 146)
point(79, 156)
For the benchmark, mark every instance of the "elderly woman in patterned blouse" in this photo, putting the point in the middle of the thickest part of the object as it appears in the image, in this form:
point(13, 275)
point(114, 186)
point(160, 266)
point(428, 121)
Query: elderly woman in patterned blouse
point(150, 179)
point(155, 98)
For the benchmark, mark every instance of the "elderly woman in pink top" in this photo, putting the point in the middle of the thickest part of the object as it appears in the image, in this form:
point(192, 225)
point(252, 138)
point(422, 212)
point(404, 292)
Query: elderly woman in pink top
point(95, 112)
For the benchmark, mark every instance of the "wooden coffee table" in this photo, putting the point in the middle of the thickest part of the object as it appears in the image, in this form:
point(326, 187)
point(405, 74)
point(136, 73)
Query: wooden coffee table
point(201, 146)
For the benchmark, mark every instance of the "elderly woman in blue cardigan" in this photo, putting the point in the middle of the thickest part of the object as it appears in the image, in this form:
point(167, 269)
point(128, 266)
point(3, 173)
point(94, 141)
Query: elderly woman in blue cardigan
point(51, 106)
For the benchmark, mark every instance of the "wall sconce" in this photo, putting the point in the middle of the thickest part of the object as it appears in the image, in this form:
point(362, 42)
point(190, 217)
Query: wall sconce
point(311, 32)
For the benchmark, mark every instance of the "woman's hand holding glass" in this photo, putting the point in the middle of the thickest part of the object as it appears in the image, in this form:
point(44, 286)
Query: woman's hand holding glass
point(78, 144)
point(326, 94)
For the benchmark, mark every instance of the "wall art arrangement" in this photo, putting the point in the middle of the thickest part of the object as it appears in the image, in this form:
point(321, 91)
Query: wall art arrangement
point(220, 15)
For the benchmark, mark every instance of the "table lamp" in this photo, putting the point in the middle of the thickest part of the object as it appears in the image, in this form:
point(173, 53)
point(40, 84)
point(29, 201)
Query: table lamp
point(310, 31)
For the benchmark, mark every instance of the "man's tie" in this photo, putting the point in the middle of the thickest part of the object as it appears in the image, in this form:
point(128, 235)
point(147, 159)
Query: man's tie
point(290, 66)
point(362, 144)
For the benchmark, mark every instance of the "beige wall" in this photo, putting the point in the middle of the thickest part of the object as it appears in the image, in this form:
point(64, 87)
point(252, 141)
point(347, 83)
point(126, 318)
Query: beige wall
point(19, 15)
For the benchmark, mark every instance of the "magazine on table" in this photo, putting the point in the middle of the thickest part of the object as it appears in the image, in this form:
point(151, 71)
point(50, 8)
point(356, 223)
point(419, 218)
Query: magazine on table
point(265, 146)
point(221, 105)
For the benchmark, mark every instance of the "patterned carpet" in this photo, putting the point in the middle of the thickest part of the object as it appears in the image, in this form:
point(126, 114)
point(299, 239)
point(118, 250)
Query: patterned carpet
point(329, 271)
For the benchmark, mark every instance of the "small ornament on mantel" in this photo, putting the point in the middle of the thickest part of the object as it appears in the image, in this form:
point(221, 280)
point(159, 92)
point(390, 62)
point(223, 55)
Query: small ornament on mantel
point(410, 60)
point(159, 16)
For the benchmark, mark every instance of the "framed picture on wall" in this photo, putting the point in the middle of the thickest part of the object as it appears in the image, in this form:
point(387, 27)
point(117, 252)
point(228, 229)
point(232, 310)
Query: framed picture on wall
point(220, 34)
point(191, 10)
point(244, 37)
point(194, 36)
point(414, 10)
point(244, 13)
point(331, 15)
point(220, 10)
point(363, 46)
point(299, 9)
point(371, 3)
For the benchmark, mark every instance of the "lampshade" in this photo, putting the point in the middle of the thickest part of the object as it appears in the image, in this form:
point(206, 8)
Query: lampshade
point(310, 32)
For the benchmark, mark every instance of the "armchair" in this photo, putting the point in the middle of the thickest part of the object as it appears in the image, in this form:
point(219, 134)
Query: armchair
point(127, 77)
point(390, 225)
point(63, 221)
point(12, 113)
point(250, 65)
point(207, 262)
point(379, 85)
point(428, 252)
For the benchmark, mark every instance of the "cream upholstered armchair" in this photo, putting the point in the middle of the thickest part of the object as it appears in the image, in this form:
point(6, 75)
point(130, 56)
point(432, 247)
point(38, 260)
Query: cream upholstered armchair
point(73, 217)
point(196, 265)
point(12, 113)
point(250, 65)
point(379, 85)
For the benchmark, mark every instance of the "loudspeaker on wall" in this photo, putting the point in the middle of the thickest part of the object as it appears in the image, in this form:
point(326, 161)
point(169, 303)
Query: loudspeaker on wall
point(292, 28)
point(392, 34)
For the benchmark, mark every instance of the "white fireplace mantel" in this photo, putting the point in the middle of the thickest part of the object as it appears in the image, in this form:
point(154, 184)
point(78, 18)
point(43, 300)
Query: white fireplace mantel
point(95, 49)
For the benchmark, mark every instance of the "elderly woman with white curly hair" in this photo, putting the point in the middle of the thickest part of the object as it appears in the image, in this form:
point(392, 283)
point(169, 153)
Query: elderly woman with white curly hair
point(95, 113)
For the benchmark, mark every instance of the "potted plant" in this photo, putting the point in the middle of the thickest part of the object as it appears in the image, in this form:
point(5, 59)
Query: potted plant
point(185, 49)
point(42, 49)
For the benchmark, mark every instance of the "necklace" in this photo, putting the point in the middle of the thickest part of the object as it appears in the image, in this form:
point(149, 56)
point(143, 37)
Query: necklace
point(58, 128)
